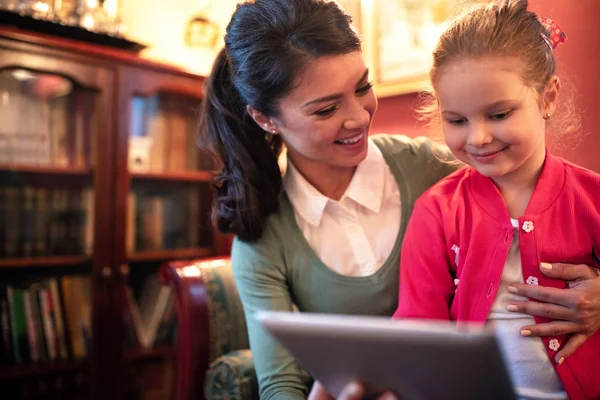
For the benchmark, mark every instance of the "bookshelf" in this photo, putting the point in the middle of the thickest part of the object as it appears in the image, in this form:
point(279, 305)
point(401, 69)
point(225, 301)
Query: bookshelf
point(46, 262)
point(101, 181)
point(42, 170)
point(20, 372)
point(187, 176)
point(161, 255)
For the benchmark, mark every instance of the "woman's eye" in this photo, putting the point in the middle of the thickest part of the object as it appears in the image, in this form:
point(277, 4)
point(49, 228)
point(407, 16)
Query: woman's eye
point(364, 89)
point(326, 111)
point(501, 116)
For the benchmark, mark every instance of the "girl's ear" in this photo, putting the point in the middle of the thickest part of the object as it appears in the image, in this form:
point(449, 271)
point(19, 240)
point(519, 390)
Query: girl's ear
point(550, 96)
point(262, 120)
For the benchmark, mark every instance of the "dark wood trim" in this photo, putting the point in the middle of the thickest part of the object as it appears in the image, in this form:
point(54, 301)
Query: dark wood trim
point(58, 261)
point(157, 353)
point(46, 170)
point(184, 176)
point(171, 254)
point(111, 55)
point(27, 371)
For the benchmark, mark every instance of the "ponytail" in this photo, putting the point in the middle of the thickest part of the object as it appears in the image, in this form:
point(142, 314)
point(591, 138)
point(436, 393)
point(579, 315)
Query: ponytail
point(249, 181)
point(267, 44)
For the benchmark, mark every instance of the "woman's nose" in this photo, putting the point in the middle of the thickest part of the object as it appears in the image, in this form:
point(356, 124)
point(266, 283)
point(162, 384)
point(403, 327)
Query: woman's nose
point(358, 117)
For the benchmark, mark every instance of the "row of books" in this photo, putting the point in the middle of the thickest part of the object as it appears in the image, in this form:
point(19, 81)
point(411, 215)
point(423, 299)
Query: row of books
point(150, 318)
point(169, 129)
point(37, 221)
point(46, 320)
point(50, 129)
point(163, 221)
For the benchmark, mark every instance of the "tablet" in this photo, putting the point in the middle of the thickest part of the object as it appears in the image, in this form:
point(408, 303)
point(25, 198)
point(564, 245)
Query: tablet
point(416, 359)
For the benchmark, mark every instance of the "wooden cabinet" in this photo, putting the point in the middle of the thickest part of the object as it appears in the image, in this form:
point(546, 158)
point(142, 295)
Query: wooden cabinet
point(101, 181)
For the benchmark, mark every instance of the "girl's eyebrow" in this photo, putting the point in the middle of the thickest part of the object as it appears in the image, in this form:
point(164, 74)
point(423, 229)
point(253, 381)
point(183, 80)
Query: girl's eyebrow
point(334, 96)
point(496, 104)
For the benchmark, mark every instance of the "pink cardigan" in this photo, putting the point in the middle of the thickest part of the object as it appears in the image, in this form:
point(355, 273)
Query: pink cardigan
point(458, 239)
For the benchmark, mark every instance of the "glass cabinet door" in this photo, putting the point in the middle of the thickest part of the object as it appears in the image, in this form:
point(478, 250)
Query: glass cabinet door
point(170, 180)
point(46, 162)
point(164, 200)
point(53, 171)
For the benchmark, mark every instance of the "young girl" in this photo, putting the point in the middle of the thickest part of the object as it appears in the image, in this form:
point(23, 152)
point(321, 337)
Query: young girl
point(515, 205)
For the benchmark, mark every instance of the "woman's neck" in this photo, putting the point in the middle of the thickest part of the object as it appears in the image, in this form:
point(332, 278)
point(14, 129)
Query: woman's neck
point(330, 181)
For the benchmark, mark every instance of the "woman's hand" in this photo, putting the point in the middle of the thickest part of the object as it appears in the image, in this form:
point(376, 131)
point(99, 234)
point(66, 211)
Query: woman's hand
point(575, 310)
point(352, 391)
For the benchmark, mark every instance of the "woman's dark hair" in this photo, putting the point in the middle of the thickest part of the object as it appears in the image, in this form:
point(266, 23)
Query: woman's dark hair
point(267, 44)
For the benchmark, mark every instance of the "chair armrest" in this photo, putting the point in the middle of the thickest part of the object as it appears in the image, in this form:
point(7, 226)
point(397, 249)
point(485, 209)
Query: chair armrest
point(192, 300)
point(232, 376)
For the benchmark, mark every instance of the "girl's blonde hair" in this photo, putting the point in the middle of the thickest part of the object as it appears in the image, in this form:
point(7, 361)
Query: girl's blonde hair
point(502, 28)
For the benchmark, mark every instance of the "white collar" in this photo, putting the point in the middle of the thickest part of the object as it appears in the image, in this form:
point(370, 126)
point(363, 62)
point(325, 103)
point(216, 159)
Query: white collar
point(366, 187)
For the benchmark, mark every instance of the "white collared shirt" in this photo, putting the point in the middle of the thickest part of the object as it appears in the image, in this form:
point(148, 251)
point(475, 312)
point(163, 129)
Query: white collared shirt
point(355, 235)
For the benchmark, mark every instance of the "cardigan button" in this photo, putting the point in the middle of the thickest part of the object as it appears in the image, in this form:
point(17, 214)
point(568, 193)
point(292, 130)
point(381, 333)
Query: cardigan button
point(532, 280)
point(554, 345)
point(527, 226)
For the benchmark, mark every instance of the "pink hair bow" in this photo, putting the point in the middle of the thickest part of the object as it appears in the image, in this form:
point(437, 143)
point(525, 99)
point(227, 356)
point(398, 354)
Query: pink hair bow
point(557, 35)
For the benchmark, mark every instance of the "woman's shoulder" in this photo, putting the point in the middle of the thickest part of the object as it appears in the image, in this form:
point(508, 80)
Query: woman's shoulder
point(420, 145)
point(415, 152)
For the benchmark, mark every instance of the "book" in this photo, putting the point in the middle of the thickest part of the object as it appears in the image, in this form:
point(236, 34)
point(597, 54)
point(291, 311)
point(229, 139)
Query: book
point(6, 344)
point(18, 324)
point(38, 324)
point(52, 285)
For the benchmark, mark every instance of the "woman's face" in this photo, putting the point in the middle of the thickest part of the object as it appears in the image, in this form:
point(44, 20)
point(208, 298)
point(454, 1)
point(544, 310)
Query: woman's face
point(325, 119)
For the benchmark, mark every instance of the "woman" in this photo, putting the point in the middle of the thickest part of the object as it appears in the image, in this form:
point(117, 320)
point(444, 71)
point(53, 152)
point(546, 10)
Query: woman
point(326, 237)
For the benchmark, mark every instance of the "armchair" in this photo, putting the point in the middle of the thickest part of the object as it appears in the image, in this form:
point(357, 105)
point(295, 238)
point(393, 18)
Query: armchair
point(213, 355)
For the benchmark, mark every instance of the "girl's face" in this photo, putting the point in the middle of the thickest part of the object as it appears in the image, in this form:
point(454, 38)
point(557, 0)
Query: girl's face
point(491, 120)
point(325, 119)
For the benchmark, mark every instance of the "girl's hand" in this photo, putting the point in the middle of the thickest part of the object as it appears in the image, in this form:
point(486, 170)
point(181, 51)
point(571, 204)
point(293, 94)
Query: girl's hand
point(352, 391)
point(575, 310)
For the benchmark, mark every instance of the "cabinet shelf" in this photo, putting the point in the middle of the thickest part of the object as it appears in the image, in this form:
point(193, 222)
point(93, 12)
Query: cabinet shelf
point(53, 368)
point(157, 353)
point(45, 170)
point(183, 176)
point(170, 254)
point(58, 261)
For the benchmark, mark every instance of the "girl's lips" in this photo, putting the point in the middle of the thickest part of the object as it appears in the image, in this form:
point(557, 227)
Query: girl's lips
point(487, 157)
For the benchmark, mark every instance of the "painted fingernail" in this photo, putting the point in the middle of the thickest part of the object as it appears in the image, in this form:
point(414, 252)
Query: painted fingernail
point(525, 332)
point(354, 389)
point(512, 307)
point(513, 289)
point(546, 267)
point(560, 361)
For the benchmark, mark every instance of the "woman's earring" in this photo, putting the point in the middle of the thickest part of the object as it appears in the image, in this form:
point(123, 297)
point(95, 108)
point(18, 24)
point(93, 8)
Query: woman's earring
point(547, 116)
point(274, 131)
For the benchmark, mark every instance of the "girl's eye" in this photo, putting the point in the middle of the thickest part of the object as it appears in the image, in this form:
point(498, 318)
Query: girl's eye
point(501, 116)
point(325, 112)
point(457, 121)
point(364, 89)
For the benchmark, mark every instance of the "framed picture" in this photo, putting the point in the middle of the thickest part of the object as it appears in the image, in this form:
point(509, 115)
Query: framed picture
point(399, 37)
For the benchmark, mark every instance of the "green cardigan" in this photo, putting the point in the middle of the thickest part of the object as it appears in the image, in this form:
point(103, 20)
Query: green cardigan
point(281, 269)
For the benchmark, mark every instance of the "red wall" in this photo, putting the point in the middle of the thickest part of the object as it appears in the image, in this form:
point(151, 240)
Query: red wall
point(578, 62)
